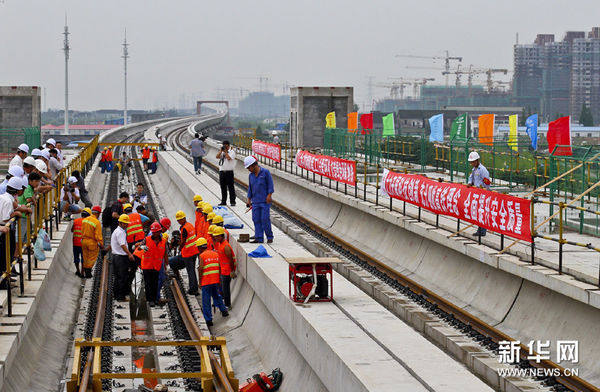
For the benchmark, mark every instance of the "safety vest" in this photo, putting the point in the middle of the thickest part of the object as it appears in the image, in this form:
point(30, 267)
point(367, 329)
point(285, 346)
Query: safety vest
point(91, 229)
point(189, 247)
point(205, 227)
point(139, 252)
point(145, 153)
point(77, 224)
point(135, 232)
point(154, 256)
point(109, 156)
point(103, 156)
point(210, 243)
point(154, 157)
point(210, 268)
point(198, 224)
point(224, 260)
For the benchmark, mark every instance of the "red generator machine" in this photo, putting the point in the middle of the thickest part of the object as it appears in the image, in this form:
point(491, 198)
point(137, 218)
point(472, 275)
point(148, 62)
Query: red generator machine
point(263, 383)
point(311, 279)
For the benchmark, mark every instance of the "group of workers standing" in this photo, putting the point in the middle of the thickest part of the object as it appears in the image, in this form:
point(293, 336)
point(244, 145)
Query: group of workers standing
point(138, 241)
point(107, 161)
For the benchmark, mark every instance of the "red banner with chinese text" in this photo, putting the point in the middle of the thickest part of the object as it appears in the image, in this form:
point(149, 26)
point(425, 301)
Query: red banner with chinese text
point(337, 169)
point(267, 150)
point(505, 214)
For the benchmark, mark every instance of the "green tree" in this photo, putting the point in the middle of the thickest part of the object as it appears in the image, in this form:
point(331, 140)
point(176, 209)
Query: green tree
point(585, 117)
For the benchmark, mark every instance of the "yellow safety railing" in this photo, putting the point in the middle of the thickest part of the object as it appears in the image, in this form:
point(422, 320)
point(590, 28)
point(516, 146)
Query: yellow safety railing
point(205, 375)
point(44, 213)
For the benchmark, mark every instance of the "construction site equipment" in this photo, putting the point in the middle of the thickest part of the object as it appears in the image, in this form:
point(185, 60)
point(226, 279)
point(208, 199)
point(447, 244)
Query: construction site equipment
point(311, 278)
point(446, 59)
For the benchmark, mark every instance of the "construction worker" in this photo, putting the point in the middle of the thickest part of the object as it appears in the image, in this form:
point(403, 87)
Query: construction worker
point(155, 256)
point(135, 231)
point(260, 190)
point(76, 230)
point(218, 221)
point(208, 270)
point(227, 262)
point(199, 222)
point(165, 224)
point(188, 252)
point(210, 242)
point(103, 160)
point(154, 160)
point(209, 219)
point(207, 209)
point(91, 240)
point(480, 177)
point(122, 259)
point(145, 156)
point(109, 159)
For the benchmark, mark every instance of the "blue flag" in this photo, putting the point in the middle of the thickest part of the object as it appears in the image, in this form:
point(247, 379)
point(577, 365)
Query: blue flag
point(532, 124)
point(436, 124)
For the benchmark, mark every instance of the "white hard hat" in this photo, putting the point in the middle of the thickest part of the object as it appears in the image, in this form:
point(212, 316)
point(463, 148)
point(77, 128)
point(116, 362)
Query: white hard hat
point(248, 161)
point(72, 180)
point(29, 161)
point(15, 183)
point(25, 182)
point(473, 156)
point(45, 153)
point(36, 152)
point(23, 147)
point(51, 141)
point(41, 165)
point(274, 133)
point(16, 171)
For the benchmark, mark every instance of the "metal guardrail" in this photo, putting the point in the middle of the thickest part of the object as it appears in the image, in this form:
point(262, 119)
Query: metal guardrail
point(45, 214)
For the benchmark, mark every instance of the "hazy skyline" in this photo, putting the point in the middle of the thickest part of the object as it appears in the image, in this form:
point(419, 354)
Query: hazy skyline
point(190, 48)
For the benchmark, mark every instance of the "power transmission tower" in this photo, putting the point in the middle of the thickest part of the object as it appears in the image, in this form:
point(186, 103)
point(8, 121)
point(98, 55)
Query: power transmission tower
point(125, 57)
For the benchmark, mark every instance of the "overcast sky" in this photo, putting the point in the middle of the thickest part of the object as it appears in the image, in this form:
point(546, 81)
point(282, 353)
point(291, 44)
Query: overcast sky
point(183, 50)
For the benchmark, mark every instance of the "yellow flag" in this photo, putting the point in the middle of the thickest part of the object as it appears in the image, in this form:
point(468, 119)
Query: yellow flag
point(330, 120)
point(512, 133)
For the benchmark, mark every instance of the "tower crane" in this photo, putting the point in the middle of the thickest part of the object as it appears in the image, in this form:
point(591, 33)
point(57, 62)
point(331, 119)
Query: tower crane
point(416, 82)
point(396, 88)
point(477, 71)
point(446, 59)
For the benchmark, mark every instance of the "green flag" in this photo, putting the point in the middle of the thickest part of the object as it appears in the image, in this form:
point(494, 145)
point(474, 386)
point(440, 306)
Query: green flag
point(388, 125)
point(459, 127)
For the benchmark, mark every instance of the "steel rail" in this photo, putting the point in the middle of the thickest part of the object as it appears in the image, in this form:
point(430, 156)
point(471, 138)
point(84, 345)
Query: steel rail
point(221, 382)
point(572, 382)
point(98, 326)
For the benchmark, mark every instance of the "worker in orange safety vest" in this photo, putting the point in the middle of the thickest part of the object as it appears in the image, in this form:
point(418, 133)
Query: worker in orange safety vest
point(188, 252)
point(227, 262)
point(155, 256)
point(208, 270)
point(145, 156)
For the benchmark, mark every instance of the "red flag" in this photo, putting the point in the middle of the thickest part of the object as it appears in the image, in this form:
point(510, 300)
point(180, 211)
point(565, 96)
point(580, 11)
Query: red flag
point(366, 121)
point(559, 134)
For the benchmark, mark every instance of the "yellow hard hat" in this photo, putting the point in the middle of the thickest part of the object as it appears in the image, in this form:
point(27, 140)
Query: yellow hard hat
point(88, 210)
point(110, 147)
point(201, 241)
point(210, 216)
point(211, 228)
point(200, 205)
point(165, 236)
point(217, 219)
point(179, 215)
point(145, 145)
point(105, 148)
point(124, 218)
point(126, 206)
point(197, 198)
point(207, 209)
point(218, 230)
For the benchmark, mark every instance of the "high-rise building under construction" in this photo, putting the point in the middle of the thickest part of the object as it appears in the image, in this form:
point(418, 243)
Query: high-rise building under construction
point(558, 78)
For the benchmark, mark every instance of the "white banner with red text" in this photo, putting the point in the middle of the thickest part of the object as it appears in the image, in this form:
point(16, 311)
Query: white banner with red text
point(337, 169)
point(505, 214)
point(267, 150)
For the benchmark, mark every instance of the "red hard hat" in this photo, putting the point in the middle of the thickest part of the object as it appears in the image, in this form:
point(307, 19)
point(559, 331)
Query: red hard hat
point(166, 223)
point(97, 209)
point(155, 227)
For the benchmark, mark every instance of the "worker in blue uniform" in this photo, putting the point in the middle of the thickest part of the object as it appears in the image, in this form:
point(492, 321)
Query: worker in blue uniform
point(260, 190)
